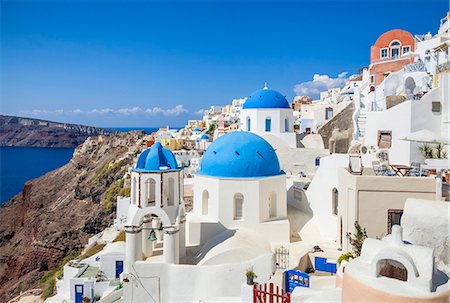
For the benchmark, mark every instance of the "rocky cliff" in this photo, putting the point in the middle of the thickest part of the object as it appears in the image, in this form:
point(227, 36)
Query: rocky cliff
point(56, 213)
point(337, 133)
point(17, 131)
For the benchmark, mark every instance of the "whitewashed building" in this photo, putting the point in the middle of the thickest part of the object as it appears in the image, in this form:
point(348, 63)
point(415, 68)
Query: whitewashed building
point(267, 113)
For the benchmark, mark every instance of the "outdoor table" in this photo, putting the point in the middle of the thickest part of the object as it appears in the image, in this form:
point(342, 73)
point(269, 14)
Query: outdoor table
point(400, 170)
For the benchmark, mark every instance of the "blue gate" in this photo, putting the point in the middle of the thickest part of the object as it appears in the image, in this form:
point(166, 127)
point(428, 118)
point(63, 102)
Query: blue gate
point(294, 278)
point(321, 264)
point(79, 293)
point(119, 268)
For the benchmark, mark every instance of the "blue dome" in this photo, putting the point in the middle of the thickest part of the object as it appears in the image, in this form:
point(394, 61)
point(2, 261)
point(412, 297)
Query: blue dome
point(197, 130)
point(156, 159)
point(266, 98)
point(204, 137)
point(240, 155)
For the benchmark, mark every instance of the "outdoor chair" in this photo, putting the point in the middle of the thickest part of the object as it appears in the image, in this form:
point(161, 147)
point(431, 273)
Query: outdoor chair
point(417, 170)
point(355, 165)
point(382, 170)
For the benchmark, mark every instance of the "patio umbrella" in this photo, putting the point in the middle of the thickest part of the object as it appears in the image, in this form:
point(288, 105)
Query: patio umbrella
point(426, 136)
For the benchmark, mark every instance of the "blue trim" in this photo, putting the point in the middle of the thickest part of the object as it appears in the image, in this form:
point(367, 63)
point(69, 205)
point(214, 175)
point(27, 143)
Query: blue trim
point(119, 268)
point(78, 295)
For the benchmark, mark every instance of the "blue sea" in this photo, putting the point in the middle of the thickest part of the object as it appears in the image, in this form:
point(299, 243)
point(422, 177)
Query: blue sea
point(20, 164)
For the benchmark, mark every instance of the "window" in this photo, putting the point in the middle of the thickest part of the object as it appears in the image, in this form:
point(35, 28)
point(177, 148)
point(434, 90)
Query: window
point(205, 202)
point(248, 123)
point(372, 78)
point(335, 201)
point(384, 139)
point(273, 205)
point(328, 113)
point(394, 217)
point(395, 49)
point(406, 49)
point(171, 195)
point(384, 53)
point(317, 161)
point(395, 53)
point(238, 207)
point(150, 188)
point(286, 124)
point(436, 107)
point(268, 124)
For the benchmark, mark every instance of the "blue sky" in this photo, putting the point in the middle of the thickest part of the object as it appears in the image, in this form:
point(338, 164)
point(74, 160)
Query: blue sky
point(147, 63)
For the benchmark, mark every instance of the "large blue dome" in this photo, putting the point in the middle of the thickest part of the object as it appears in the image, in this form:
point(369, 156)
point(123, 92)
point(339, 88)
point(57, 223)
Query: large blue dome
point(240, 155)
point(156, 159)
point(266, 98)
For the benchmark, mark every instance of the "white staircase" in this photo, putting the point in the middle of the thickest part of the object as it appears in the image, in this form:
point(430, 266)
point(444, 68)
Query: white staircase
point(361, 123)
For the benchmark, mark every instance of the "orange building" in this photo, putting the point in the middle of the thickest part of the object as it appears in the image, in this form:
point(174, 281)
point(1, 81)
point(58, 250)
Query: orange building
point(389, 54)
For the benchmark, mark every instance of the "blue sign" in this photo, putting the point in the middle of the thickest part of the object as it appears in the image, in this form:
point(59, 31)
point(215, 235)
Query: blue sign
point(294, 278)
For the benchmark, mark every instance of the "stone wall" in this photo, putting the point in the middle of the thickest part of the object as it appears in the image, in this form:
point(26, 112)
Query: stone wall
point(337, 133)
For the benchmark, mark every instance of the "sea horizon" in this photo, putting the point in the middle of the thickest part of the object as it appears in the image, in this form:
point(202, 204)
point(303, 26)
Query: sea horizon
point(15, 159)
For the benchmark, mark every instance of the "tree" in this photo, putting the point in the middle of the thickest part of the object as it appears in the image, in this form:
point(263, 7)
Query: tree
point(357, 239)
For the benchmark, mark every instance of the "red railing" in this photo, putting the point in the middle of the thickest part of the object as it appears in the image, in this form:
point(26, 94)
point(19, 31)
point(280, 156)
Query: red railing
point(272, 295)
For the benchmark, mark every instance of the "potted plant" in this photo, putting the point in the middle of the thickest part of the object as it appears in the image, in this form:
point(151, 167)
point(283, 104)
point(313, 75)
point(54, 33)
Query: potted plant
point(250, 276)
point(97, 297)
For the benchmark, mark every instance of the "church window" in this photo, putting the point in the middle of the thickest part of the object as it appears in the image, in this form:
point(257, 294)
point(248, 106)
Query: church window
point(238, 207)
point(268, 124)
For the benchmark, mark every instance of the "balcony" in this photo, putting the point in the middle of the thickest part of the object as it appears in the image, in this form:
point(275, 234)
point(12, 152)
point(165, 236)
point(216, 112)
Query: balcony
point(443, 67)
point(415, 67)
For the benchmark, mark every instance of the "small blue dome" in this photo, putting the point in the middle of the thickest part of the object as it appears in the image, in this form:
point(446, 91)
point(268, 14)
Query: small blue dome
point(156, 158)
point(204, 137)
point(266, 98)
point(240, 155)
point(197, 130)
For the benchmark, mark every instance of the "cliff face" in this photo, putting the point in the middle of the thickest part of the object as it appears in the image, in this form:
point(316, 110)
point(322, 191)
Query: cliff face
point(61, 210)
point(337, 133)
point(17, 131)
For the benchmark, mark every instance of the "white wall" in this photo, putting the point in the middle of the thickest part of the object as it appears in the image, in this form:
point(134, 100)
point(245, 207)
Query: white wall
point(108, 263)
point(258, 117)
point(403, 119)
point(256, 192)
point(123, 204)
point(190, 283)
point(319, 194)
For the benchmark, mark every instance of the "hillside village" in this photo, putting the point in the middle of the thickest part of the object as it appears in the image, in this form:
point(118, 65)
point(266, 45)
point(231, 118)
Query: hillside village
point(340, 199)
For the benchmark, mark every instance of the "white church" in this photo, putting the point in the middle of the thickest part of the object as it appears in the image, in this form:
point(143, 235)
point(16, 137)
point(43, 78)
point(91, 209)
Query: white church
point(267, 113)
point(239, 210)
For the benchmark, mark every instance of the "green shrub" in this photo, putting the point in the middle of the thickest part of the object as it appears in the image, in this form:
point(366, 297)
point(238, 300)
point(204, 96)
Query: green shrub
point(357, 239)
point(48, 280)
point(92, 251)
point(107, 170)
point(345, 257)
point(116, 189)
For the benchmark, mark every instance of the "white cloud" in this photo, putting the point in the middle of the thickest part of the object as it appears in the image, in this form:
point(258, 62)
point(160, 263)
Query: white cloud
point(319, 84)
point(200, 112)
point(127, 111)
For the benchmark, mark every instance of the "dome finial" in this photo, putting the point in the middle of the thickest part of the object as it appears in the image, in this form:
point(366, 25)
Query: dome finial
point(265, 86)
